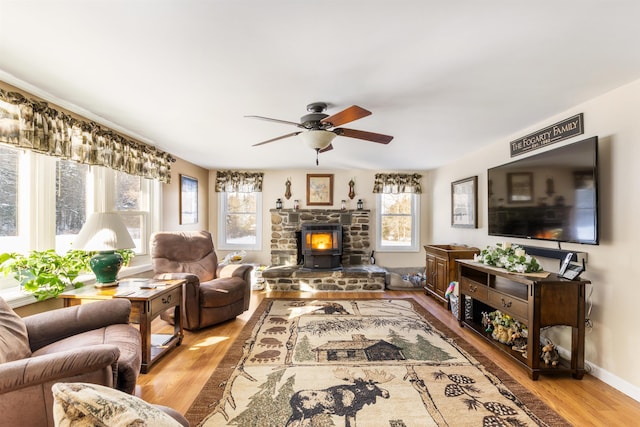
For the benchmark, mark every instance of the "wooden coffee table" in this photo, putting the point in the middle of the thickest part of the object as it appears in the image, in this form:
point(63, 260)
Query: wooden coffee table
point(146, 305)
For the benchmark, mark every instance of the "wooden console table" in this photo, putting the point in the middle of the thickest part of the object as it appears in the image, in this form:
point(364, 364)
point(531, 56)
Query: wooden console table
point(146, 305)
point(535, 301)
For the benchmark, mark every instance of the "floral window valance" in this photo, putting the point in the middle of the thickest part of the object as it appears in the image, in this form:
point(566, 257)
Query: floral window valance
point(35, 125)
point(239, 182)
point(397, 183)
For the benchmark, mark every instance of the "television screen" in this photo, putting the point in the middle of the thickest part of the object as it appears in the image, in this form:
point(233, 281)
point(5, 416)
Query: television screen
point(548, 196)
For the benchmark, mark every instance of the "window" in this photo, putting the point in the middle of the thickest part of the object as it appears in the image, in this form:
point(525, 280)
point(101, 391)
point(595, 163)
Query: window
point(240, 223)
point(398, 222)
point(130, 192)
point(8, 192)
point(71, 202)
point(45, 201)
point(11, 240)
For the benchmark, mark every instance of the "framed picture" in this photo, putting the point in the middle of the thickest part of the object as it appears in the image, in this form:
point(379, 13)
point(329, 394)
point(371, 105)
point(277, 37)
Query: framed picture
point(319, 189)
point(464, 203)
point(520, 187)
point(188, 200)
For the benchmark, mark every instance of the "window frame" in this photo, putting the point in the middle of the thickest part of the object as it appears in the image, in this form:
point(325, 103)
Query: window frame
point(222, 224)
point(415, 226)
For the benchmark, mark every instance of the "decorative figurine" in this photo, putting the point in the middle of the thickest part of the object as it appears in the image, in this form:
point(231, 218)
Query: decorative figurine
point(550, 354)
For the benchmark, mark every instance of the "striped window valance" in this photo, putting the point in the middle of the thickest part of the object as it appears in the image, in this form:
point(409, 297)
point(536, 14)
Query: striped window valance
point(239, 182)
point(397, 183)
point(35, 125)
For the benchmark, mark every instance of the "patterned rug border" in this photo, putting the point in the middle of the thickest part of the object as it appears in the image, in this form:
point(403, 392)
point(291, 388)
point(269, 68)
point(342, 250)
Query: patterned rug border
point(213, 389)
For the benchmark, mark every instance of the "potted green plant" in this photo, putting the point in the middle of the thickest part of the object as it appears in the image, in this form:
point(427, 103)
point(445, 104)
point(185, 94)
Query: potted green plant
point(127, 256)
point(45, 274)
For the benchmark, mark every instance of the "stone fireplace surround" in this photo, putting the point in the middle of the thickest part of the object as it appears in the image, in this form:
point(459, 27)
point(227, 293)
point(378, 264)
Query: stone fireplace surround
point(356, 274)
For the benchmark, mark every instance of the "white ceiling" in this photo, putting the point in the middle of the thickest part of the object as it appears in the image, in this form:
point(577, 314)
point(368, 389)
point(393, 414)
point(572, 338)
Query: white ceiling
point(442, 77)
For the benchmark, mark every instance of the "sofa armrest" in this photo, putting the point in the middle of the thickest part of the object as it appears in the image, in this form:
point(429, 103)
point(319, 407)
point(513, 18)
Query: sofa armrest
point(54, 325)
point(58, 366)
point(242, 271)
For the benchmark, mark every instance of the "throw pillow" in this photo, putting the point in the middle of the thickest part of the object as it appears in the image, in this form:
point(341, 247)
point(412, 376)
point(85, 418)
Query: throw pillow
point(88, 405)
point(14, 341)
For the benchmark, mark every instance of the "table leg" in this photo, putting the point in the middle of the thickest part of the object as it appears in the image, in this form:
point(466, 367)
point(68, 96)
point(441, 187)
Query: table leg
point(177, 325)
point(145, 336)
point(70, 302)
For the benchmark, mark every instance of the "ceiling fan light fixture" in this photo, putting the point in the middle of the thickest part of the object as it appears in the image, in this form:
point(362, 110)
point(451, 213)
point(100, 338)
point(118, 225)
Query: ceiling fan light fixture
point(318, 139)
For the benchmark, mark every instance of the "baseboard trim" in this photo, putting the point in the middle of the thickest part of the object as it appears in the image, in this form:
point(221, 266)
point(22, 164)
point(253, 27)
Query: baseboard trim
point(605, 376)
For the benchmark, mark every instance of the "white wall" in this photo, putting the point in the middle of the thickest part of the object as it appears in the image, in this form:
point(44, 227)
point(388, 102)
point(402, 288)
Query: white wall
point(274, 188)
point(612, 347)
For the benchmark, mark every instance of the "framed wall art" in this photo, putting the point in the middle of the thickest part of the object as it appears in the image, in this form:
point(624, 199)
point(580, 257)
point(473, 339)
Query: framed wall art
point(188, 200)
point(319, 189)
point(520, 187)
point(464, 203)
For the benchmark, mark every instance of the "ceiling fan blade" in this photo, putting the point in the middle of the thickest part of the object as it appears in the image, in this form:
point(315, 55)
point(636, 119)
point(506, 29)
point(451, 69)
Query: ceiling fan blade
point(277, 138)
point(286, 122)
point(361, 134)
point(327, 148)
point(347, 115)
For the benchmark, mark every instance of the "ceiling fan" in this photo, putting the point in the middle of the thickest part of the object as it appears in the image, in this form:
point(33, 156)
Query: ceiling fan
point(320, 128)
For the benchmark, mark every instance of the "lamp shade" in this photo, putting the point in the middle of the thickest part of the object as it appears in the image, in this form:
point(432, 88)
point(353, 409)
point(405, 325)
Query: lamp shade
point(318, 139)
point(104, 231)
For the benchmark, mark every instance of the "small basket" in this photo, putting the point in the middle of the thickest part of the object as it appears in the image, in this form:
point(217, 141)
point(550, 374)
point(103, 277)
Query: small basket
point(454, 301)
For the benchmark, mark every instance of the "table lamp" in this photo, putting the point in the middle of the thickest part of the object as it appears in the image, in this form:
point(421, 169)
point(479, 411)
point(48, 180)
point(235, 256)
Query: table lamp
point(105, 233)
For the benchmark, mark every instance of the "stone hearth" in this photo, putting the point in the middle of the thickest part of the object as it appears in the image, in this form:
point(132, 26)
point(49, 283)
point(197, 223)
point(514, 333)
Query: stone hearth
point(352, 278)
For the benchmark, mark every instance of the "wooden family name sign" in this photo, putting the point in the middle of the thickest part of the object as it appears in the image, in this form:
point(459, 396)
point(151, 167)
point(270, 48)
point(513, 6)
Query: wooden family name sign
point(558, 132)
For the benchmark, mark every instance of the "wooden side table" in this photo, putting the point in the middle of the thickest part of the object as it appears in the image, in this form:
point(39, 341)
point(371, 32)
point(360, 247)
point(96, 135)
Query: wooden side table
point(146, 305)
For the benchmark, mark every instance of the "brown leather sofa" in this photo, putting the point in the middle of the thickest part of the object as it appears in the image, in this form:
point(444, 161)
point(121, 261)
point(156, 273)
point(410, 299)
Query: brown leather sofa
point(91, 343)
point(212, 293)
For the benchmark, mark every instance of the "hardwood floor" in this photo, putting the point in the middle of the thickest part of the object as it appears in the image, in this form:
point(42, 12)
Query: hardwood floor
point(176, 379)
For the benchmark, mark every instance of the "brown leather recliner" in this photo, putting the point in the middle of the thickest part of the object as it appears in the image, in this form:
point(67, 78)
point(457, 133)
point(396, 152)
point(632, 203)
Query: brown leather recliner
point(212, 293)
point(91, 343)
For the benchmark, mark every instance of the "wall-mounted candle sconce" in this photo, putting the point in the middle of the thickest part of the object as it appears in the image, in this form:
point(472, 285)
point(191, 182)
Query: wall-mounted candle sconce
point(287, 191)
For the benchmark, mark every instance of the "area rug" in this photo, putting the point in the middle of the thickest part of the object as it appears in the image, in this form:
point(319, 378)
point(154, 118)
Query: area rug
point(360, 362)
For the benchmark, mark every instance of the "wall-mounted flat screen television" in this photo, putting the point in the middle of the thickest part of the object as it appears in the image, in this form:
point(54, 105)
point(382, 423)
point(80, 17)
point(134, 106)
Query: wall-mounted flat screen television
point(547, 196)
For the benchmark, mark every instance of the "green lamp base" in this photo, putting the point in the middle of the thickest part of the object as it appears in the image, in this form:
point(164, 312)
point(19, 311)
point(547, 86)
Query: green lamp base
point(106, 265)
